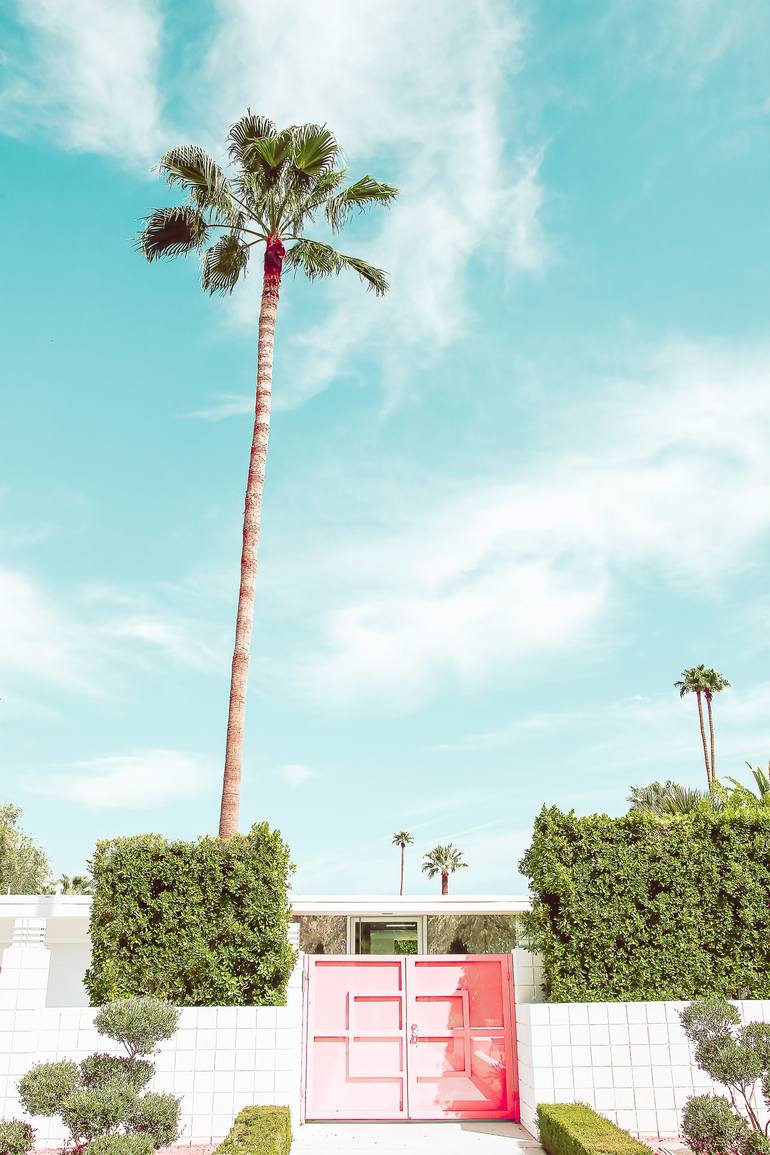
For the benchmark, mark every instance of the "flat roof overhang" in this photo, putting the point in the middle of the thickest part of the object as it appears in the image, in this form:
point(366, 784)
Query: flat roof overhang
point(78, 906)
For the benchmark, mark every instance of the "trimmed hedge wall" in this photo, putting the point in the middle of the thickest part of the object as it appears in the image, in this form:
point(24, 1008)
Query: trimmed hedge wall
point(259, 1131)
point(575, 1129)
point(200, 923)
point(636, 908)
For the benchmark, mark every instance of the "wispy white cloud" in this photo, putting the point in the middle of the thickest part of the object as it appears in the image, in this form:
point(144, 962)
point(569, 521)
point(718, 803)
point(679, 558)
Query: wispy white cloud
point(38, 640)
point(501, 572)
point(142, 780)
point(89, 76)
point(689, 37)
point(296, 774)
point(226, 405)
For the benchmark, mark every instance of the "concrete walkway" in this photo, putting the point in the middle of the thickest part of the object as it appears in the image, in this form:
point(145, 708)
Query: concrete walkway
point(414, 1139)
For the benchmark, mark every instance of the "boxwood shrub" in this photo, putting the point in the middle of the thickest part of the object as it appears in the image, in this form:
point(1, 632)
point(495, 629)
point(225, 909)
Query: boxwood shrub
point(259, 1131)
point(200, 923)
point(636, 908)
point(576, 1129)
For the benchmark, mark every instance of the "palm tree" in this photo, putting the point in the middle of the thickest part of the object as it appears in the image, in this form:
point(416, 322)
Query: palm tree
point(280, 180)
point(402, 838)
point(715, 683)
point(695, 680)
point(443, 860)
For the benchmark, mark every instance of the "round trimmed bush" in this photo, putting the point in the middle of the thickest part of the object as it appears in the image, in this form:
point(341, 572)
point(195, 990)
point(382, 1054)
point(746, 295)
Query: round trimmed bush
point(92, 1111)
point(157, 1116)
point(46, 1085)
point(711, 1126)
point(139, 1023)
point(98, 1070)
point(16, 1137)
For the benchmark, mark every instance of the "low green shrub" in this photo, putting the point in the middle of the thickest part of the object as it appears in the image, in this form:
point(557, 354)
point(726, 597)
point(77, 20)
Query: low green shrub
point(576, 1129)
point(259, 1131)
point(16, 1137)
point(46, 1086)
point(98, 1070)
point(157, 1116)
point(119, 1145)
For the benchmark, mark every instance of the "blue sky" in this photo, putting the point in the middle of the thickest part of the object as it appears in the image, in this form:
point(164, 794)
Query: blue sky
point(504, 507)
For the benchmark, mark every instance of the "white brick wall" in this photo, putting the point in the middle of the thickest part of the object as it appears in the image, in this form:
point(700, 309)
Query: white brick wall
point(220, 1060)
point(630, 1061)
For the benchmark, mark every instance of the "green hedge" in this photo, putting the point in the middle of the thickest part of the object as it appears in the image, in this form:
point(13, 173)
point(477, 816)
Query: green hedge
point(198, 923)
point(635, 908)
point(259, 1131)
point(575, 1129)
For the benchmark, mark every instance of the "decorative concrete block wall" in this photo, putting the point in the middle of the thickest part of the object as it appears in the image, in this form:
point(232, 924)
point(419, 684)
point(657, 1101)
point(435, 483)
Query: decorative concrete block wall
point(220, 1059)
point(631, 1061)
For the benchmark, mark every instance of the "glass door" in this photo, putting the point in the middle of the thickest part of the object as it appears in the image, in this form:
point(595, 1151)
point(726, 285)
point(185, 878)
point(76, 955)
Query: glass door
point(396, 936)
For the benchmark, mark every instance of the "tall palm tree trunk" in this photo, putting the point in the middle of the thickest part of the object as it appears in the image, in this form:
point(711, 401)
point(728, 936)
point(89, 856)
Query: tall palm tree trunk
point(711, 733)
point(703, 739)
point(252, 520)
point(401, 890)
point(444, 882)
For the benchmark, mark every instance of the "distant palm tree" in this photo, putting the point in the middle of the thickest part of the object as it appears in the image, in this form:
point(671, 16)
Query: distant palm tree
point(402, 838)
point(704, 683)
point(443, 860)
point(667, 798)
point(282, 179)
point(75, 884)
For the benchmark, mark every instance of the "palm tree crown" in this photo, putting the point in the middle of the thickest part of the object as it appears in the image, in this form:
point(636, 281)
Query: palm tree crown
point(444, 860)
point(282, 179)
point(402, 838)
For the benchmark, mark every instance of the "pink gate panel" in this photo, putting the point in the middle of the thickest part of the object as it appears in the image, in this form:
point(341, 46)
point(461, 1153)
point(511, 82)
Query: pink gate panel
point(356, 1061)
point(421, 1037)
point(460, 1060)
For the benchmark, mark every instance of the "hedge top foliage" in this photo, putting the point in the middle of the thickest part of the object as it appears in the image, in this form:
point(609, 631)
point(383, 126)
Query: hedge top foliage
point(635, 908)
point(576, 1129)
point(201, 923)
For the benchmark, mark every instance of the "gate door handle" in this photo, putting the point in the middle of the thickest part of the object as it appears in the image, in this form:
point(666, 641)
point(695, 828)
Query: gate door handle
point(415, 1032)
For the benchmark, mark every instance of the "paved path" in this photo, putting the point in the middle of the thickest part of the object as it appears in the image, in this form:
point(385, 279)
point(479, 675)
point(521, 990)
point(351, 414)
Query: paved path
point(414, 1139)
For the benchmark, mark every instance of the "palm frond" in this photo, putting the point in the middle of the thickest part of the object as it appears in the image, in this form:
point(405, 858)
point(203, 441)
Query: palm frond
point(315, 150)
point(245, 131)
point(267, 155)
point(171, 232)
point(362, 195)
point(317, 259)
point(223, 264)
point(195, 171)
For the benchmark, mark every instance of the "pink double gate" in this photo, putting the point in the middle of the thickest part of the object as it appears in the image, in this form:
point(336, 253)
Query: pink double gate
point(418, 1037)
